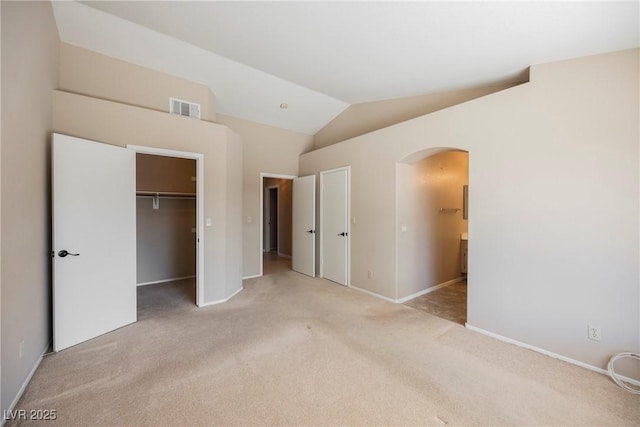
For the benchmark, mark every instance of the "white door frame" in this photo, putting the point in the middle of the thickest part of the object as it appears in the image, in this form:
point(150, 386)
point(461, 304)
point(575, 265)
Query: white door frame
point(199, 158)
point(262, 188)
point(267, 212)
point(348, 260)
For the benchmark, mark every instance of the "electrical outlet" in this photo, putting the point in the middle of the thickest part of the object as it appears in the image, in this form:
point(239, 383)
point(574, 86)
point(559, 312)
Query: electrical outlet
point(595, 333)
point(21, 349)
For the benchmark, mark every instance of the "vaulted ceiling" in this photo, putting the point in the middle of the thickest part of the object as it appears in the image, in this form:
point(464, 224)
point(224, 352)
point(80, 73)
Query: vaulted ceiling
point(320, 57)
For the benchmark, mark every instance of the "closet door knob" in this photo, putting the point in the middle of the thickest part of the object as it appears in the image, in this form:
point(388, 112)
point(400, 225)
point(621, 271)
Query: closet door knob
point(343, 234)
point(311, 231)
point(63, 253)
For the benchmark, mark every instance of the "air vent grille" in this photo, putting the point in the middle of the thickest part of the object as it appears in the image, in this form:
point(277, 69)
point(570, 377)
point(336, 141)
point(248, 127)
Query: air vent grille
point(184, 108)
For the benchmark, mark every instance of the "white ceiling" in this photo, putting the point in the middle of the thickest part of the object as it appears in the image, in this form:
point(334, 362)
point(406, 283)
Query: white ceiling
point(319, 57)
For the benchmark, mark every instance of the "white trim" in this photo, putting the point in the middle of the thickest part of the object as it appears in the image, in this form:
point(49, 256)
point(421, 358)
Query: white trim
point(348, 206)
point(548, 353)
point(373, 294)
point(430, 289)
point(26, 382)
point(280, 254)
point(261, 186)
point(165, 280)
point(222, 301)
point(164, 152)
point(200, 215)
point(251, 277)
point(412, 296)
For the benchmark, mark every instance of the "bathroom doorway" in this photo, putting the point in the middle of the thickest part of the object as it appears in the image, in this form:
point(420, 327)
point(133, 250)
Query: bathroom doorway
point(433, 234)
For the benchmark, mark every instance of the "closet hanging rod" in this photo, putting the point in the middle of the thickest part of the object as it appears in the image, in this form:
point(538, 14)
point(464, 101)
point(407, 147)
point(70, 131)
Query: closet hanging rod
point(164, 194)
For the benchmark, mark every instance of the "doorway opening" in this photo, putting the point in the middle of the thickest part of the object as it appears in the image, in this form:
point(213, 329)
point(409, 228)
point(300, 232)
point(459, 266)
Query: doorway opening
point(169, 235)
point(276, 206)
point(271, 208)
point(433, 233)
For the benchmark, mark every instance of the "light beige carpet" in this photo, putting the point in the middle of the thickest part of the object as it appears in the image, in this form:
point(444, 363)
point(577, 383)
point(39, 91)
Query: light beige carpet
point(292, 350)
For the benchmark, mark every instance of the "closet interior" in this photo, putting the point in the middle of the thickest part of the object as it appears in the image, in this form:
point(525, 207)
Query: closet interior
point(166, 219)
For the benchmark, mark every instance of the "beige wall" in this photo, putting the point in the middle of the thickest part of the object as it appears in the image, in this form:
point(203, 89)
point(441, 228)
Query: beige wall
point(266, 150)
point(165, 242)
point(366, 117)
point(29, 74)
point(2, 407)
point(553, 204)
point(285, 206)
point(429, 239)
point(234, 211)
point(120, 124)
point(89, 73)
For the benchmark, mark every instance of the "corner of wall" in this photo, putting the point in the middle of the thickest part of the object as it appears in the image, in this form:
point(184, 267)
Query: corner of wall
point(211, 107)
point(234, 213)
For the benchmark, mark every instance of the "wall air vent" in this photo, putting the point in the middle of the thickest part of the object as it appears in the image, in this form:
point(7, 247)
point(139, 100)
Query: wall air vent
point(184, 108)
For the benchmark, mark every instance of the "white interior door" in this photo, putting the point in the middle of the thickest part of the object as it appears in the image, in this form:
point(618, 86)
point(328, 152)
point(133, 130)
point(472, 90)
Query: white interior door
point(94, 220)
point(334, 227)
point(303, 226)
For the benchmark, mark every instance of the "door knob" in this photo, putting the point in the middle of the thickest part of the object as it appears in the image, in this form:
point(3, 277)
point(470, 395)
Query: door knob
point(63, 253)
point(343, 234)
point(311, 231)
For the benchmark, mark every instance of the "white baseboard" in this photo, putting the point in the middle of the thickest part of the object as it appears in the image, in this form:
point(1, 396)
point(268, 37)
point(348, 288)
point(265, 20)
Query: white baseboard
point(280, 254)
point(165, 280)
point(429, 290)
point(412, 296)
point(372, 294)
point(548, 353)
point(26, 382)
point(251, 277)
point(206, 304)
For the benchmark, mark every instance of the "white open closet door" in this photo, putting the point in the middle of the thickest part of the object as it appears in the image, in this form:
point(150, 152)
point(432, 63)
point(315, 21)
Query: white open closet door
point(94, 239)
point(303, 239)
point(334, 225)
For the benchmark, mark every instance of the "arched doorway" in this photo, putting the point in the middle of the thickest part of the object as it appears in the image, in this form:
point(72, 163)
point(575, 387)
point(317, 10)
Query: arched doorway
point(433, 232)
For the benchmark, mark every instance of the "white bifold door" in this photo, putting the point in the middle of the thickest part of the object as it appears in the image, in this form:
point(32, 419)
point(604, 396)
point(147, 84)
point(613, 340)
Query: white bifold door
point(334, 226)
point(303, 225)
point(94, 239)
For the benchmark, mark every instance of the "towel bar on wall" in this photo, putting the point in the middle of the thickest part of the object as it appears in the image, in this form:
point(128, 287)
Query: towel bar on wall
point(449, 210)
